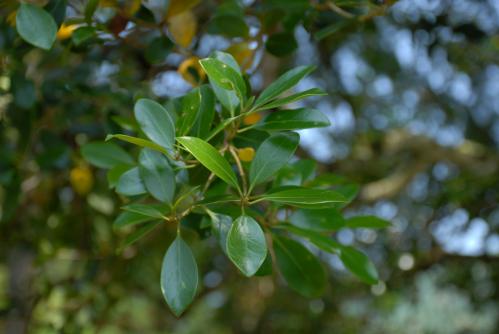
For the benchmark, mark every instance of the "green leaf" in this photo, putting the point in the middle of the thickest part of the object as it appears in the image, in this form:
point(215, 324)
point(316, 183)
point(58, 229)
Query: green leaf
point(282, 84)
point(191, 103)
point(221, 225)
point(246, 246)
point(90, 9)
point(138, 141)
point(271, 156)
point(303, 118)
point(229, 25)
point(113, 175)
point(157, 175)
point(321, 241)
point(224, 76)
point(130, 183)
point(36, 26)
point(293, 98)
point(302, 197)
point(105, 155)
point(228, 59)
point(228, 98)
point(156, 122)
point(266, 267)
point(366, 222)
point(83, 34)
point(209, 157)
point(139, 234)
point(359, 264)
point(202, 126)
point(301, 269)
point(127, 218)
point(149, 210)
point(318, 220)
point(179, 276)
point(281, 44)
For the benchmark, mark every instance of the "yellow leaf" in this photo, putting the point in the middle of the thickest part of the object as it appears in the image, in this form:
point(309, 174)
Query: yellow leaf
point(183, 28)
point(65, 31)
point(11, 18)
point(246, 154)
point(191, 71)
point(242, 53)
point(81, 179)
point(252, 119)
point(179, 6)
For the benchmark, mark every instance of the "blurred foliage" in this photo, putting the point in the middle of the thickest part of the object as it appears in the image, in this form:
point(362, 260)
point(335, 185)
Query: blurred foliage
point(413, 104)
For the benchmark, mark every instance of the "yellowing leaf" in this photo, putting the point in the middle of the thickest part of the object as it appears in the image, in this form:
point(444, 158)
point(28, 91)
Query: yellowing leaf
point(246, 154)
point(65, 31)
point(179, 6)
point(11, 18)
point(81, 179)
point(252, 119)
point(191, 71)
point(242, 53)
point(183, 28)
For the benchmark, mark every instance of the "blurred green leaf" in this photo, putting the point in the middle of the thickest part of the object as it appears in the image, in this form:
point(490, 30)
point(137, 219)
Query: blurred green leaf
point(300, 268)
point(138, 141)
point(366, 222)
point(303, 118)
point(359, 264)
point(282, 84)
point(281, 44)
point(318, 220)
point(105, 155)
point(36, 26)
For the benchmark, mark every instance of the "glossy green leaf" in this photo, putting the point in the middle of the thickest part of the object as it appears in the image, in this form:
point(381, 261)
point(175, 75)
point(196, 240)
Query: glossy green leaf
point(366, 222)
point(318, 220)
point(127, 218)
point(301, 269)
point(202, 126)
point(130, 183)
point(293, 98)
point(156, 122)
point(246, 246)
point(191, 103)
point(271, 156)
point(209, 157)
point(303, 197)
point(138, 141)
point(179, 276)
point(228, 59)
point(359, 264)
point(157, 175)
point(139, 233)
point(303, 118)
point(149, 210)
point(105, 155)
point(282, 84)
point(221, 225)
point(224, 76)
point(36, 26)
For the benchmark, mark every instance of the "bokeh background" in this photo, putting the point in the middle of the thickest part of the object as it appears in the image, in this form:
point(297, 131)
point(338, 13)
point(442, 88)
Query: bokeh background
point(414, 105)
